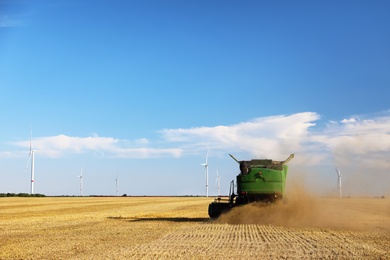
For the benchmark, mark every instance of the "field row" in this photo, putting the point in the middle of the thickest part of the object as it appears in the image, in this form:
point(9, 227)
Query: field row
point(219, 241)
point(179, 228)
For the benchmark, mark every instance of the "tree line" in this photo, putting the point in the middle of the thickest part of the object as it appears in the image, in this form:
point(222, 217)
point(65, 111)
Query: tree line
point(21, 195)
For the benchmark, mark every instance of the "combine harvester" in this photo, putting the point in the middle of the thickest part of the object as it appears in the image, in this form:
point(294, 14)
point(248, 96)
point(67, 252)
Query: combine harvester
point(259, 180)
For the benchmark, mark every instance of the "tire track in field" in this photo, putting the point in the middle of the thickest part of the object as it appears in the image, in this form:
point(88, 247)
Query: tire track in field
point(220, 241)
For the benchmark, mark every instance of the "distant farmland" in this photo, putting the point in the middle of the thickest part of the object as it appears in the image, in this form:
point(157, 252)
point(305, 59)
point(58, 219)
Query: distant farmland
point(179, 227)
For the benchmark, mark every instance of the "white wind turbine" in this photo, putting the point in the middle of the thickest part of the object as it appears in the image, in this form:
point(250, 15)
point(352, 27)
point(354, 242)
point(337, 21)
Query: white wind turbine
point(31, 157)
point(81, 182)
point(218, 181)
point(206, 168)
point(116, 184)
point(339, 182)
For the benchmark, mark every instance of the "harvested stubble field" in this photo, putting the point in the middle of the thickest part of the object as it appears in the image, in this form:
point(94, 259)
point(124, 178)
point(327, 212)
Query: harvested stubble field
point(179, 228)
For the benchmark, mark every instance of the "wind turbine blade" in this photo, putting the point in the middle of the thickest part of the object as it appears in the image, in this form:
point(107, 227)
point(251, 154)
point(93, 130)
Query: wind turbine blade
point(28, 160)
point(29, 151)
point(30, 139)
point(206, 173)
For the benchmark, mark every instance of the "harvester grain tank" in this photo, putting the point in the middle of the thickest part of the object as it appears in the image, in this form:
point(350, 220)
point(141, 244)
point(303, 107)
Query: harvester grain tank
point(258, 180)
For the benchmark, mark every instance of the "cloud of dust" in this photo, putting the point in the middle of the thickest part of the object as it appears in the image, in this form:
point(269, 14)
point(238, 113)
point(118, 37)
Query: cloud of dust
point(303, 210)
point(300, 210)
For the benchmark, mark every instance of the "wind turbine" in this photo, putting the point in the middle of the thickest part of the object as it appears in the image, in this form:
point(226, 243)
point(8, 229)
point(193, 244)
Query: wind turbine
point(31, 157)
point(218, 181)
point(339, 182)
point(116, 184)
point(81, 182)
point(206, 168)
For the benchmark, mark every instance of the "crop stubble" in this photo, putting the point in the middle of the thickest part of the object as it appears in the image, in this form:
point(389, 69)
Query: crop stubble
point(174, 227)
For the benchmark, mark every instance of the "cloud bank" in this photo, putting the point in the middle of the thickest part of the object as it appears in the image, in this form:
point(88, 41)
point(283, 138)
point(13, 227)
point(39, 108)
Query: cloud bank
point(63, 145)
point(351, 140)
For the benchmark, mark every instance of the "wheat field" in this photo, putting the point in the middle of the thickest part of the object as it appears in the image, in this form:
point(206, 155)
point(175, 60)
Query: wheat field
point(179, 228)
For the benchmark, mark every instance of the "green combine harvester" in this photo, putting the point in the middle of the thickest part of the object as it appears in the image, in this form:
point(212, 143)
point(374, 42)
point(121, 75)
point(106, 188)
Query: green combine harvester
point(258, 180)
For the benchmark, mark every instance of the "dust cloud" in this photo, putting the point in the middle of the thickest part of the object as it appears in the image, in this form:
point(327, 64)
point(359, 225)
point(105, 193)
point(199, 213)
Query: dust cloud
point(303, 210)
point(297, 210)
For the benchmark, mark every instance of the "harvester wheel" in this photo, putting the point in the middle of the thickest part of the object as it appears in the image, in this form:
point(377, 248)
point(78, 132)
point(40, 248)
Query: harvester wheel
point(241, 200)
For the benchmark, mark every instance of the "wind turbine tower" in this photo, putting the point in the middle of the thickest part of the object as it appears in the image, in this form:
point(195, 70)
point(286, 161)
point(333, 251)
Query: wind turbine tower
point(206, 168)
point(116, 184)
point(31, 156)
point(81, 182)
point(339, 182)
point(218, 183)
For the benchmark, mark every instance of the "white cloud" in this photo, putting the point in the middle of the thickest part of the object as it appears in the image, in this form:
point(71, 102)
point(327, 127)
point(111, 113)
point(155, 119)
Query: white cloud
point(60, 145)
point(275, 136)
point(352, 141)
point(348, 142)
point(360, 141)
point(142, 141)
point(348, 121)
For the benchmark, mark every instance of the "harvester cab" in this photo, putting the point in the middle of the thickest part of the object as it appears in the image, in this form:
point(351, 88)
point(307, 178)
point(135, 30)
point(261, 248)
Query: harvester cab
point(258, 180)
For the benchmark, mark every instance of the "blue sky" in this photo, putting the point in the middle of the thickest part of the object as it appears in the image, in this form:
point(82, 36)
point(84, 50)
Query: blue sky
point(143, 90)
